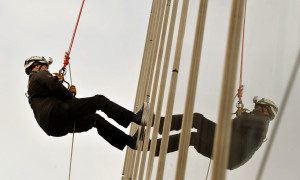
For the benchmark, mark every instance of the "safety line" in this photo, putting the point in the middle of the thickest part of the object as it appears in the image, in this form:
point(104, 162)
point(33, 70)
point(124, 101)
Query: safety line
point(71, 152)
point(71, 44)
point(240, 90)
point(62, 72)
point(223, 129)
point(67, 56)
point(208, 168)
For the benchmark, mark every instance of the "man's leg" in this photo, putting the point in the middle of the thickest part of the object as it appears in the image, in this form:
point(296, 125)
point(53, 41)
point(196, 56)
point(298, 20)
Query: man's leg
point(203, 139)
point(177, 121)
point(172, 146)
point(83, 124)
point(110, 133)
point(59, 123)
point(88, 106)
point(118, 113)
point(175, 124)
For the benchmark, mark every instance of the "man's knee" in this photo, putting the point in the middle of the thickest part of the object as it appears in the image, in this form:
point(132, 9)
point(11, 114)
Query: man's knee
point(100, 97)
point(100, 101)
point(197, 116)
point(98, 120)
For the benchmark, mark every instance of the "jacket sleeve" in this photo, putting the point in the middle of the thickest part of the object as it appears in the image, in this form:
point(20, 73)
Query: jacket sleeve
point(54, 86)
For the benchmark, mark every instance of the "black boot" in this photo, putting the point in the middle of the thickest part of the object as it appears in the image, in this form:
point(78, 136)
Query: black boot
point(134, 140)
point(137, 118)
point(138, 135)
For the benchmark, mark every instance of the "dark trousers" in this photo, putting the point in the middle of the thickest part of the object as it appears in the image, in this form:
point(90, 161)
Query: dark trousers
point(82, 112)
point(247, 135)
point(202, 140)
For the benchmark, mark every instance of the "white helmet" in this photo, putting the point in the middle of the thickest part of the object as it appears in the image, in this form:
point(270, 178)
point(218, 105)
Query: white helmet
point(36, 59)
point(270, 105)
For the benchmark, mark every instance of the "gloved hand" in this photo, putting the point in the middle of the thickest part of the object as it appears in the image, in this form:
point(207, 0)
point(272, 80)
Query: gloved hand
point(72, 90)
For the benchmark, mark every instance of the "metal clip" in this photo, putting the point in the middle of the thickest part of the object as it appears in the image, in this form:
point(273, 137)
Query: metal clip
point(240, 105)
point(62, 72)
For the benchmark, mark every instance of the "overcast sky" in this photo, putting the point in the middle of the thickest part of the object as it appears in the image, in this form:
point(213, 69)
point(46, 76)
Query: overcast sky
point(106, 59)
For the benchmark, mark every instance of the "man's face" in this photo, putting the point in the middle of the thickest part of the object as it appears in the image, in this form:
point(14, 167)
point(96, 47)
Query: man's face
point(44, 68)
point(41, 67)
point(261, 109)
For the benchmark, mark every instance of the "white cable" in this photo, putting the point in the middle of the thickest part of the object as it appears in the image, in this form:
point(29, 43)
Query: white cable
point(278, 119)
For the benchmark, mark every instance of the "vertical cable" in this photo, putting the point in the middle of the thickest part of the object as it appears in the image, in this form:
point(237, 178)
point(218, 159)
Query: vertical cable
point(67, 57)
point(240, 90)
point(161, 162)
point(279, 116)
point(141, 91)
point(187, 119)
point(70, 167)
point(163, 18)
point(207, 173)
point(242, 53)
point(152, 57)
point(173, 84)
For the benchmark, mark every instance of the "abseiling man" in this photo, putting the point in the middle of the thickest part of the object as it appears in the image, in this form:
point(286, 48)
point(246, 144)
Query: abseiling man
point(56, 109)
point(249, 130)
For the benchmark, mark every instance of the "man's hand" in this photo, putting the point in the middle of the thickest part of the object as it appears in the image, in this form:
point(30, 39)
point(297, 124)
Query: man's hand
point(72, 90)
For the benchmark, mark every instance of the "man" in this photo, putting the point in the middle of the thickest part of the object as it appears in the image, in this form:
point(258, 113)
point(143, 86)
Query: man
point(57, 110)
point(247, 135)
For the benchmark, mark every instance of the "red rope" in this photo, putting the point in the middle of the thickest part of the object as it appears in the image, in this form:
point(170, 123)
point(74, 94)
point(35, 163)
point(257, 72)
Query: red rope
point(67, 54)
point(240, 90)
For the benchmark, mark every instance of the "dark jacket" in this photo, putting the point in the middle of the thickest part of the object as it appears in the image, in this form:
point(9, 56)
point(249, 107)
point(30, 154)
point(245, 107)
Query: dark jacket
point(45, 92)
point(248, 133)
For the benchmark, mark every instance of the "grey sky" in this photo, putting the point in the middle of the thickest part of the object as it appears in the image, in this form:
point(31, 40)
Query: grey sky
point(106, 59)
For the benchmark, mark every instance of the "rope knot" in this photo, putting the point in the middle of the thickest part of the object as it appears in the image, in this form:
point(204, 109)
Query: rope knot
point(240, 92)
point(67, 58)
point(62, 71)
